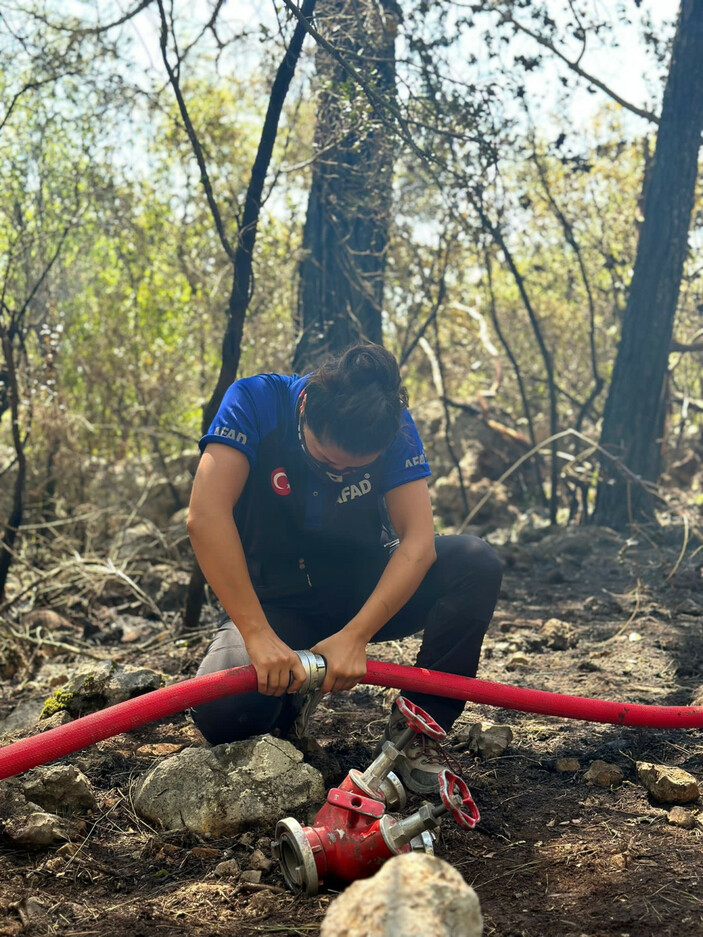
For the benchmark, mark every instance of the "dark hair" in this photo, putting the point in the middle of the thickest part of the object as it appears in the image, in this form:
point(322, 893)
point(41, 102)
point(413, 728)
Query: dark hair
point(356, 399)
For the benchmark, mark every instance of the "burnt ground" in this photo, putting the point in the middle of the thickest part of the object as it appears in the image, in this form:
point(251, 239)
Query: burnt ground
point(552, 854)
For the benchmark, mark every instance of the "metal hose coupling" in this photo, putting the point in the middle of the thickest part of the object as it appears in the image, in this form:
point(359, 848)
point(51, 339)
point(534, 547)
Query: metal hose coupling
point(315, 667)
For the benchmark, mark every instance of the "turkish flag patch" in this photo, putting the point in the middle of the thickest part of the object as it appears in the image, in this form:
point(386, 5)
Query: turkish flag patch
point(279, 481)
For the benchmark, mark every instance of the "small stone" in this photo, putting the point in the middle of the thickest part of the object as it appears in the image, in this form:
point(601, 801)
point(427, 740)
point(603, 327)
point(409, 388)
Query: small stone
point(158, 749)
point(517, 660)
point(679, 816)
point(489, 740)
point(604, 775)
point(257, 860)
point(253, 876)
point(559, 635)
point(205, 852)
point(227, 869)
point(38, 829)
point(567, 765)
point(68, 850)
point(59, 786)
point(668, 785)
point(36, 911)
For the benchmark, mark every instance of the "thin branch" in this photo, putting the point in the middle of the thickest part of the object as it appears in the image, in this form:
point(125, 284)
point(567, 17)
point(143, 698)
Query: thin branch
point(192, 136)
point(92, 30)
point(30, 86)
point(575, 67)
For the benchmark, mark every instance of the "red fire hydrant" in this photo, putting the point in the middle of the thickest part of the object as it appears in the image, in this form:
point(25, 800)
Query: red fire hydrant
point(353, 835)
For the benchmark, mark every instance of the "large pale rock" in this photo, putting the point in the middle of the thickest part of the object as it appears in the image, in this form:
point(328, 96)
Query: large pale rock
point(224, 790)
point(668, 785)
point(413, 895)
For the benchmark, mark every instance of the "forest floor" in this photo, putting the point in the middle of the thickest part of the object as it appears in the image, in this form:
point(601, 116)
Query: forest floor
point(553, 854)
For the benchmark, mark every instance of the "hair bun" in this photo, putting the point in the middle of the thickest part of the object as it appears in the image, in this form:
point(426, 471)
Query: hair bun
point(361, 364)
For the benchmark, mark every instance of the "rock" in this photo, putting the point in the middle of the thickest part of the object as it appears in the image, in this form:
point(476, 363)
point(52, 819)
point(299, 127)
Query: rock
point(159, 749)
point(486, 738)
point(36, 912)
point(60, 718)
point(23, 716)
point(604, 775)
point(688, 606)
point(227, 869)
point(230, 788)
point(413, 895)
point(253, 876)
point(567, 765)
point(257, 860)
point(558, 635)
point(57, 786)
point(103, 684)
point(36, 829)
point(668, 785)
point(679, 816)
point(517, 660)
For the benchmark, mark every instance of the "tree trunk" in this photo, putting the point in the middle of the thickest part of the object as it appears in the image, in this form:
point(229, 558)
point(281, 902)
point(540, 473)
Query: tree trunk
point(635, 408)
point(346, 229)
point(14, 521)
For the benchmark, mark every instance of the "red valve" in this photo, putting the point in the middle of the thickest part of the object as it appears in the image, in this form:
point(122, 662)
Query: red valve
point(456, 796)
point(418, 720)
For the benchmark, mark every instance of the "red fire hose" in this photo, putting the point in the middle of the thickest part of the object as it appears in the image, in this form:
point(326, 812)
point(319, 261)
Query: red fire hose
point(55, 743)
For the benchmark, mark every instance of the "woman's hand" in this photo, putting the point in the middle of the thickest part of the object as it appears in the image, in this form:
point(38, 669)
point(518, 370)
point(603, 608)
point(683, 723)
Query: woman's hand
point(346, 661)
point(274, 662)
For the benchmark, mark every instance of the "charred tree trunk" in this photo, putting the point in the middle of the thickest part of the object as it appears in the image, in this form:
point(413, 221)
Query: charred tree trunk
point(14, 521)
point(346, 229)
point(634, 410)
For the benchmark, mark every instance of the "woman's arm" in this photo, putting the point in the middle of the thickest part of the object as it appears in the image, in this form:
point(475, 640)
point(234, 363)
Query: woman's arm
point(410, 512)
point(218, 485)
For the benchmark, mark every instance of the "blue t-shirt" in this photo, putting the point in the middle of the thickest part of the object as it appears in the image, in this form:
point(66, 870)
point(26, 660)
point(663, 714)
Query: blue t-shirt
point(298, 529)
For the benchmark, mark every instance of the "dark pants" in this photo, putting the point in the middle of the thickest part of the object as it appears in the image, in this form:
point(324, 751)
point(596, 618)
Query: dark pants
point(452, 606)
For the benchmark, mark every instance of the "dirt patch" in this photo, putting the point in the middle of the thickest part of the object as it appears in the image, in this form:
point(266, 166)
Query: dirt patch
point(553, 854)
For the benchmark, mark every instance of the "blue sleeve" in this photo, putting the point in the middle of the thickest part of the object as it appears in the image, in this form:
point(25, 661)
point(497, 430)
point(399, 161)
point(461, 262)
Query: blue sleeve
point(404, 461)
point(246, 414)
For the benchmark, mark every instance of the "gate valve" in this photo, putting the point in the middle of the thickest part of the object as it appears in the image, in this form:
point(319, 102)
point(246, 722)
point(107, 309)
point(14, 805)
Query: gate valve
point(348, 840)
point(378, 781)
point(456, 799)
